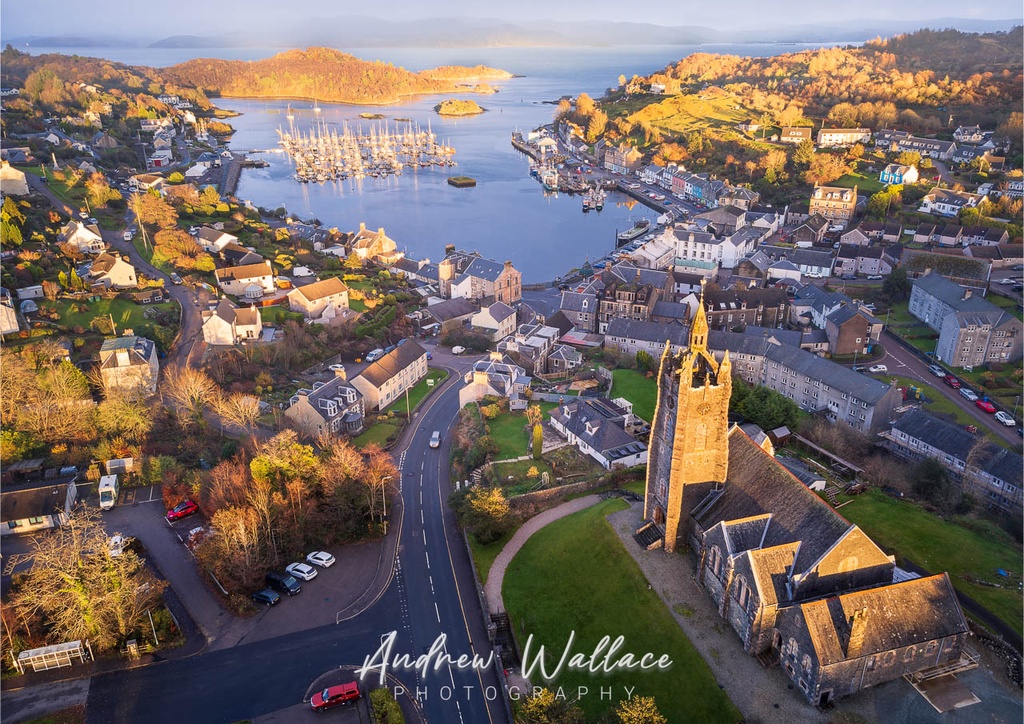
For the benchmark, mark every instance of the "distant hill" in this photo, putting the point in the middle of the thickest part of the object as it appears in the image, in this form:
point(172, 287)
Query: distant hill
point(325, 75)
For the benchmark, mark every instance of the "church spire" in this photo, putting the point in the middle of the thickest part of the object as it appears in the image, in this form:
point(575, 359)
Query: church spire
point(698, 358)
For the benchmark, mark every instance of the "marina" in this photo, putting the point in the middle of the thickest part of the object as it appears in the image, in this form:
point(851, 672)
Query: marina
point(325, 154)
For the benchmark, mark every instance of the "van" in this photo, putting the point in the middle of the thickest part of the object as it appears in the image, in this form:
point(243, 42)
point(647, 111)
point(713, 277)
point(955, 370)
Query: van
point(458, 349)
point(108, 490)
point(283, 583)
point(374, 355)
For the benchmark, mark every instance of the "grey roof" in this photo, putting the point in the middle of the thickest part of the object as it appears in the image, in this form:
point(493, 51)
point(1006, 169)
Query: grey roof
point(952, 294)
point(141, 350)
point(791, 337)
point(501, 311)
point(956, 442)
point(33, 500)
point(406, 265)
point(674, 310)
point(574, 302)
point(483, 269)
point(809, 257)
point(608, 436)
point(337, 390)
point(861, 387)
point(629, 273)
point(451, 309)
point(676, 334)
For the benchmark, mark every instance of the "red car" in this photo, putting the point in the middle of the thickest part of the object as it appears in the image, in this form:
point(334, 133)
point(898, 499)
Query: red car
point(986, 406)
point(182, 510)
point(334, 696)
point(952, 381)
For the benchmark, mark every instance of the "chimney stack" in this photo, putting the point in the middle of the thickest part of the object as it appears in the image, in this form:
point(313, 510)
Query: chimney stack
point(858, 624)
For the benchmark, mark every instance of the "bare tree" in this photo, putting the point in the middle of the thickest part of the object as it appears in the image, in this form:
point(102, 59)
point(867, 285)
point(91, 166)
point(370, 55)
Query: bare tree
point(189, 391)
point(82, 589)
point(238, 409)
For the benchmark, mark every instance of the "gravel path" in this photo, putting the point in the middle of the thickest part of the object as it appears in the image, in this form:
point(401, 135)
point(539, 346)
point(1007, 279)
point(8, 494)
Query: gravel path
point(496, 576)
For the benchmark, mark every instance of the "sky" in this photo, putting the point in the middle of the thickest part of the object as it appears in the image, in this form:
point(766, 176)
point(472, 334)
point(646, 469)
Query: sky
point(208, 17)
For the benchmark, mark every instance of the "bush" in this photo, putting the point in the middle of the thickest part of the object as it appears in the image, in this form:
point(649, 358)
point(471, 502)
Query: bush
point(385, 709)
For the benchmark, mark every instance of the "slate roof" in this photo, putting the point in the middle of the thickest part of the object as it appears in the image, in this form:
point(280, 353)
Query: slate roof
point(862, 387)
point(676, 334)
point(673, 310)
point(898, 615)
point(500, 311)
point(609, 437)
point(336, 390)
point(630, 274)
point(451, 309)
point(756, 484)
point(140, 350)
point(952, 294)
point(392, 363)
point(956, 442)
point(721, 299)
point(33, 500)
point(481, 268)
point(809, 257)
point(105, 262)
point(771, 568)
point(792, 337)
point(573, 302)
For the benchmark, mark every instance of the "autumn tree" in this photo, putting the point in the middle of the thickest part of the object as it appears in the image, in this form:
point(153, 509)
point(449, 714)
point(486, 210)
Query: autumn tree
point(150, 208)
point(825, 168)
point(545, 707)
point(804, 153)
point(484, 511)
point(238, 409)
point(126, 413)
point(99, 191)
point(189, 391)
point(78, 589)
point(639, 710)
point(538, 442)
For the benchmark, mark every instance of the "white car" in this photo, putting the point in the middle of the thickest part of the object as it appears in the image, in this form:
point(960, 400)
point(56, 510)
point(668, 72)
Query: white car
point(435, 439)
point(1006, 418)
point(878, 368)
point(301, 570)
point(320, 558)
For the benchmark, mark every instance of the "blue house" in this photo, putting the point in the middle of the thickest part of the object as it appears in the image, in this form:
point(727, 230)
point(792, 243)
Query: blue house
point(895, 173)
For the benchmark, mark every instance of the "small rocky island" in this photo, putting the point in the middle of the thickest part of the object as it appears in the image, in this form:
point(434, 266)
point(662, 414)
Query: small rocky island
point(455, 107)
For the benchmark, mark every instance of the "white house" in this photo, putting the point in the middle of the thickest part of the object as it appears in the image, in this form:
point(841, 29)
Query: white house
point(313, 299)
point(228, 324)
point(251, 281)
point(498, 318)
point(947, 202)
point(84, 237)
point(128, 363)
point(597, 427)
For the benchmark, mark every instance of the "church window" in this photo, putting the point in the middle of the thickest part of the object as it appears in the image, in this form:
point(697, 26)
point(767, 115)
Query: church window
point(715, 561)
point(806, 664)
point(909, 653)
point(930, 647)
point(700, 437)
point(742, 592)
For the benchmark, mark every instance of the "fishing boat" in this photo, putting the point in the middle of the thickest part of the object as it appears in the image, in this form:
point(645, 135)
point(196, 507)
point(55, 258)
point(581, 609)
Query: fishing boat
point(639, 229)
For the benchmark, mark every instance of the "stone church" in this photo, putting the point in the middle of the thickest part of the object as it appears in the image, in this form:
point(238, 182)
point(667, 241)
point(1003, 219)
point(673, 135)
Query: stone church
point(799, 584)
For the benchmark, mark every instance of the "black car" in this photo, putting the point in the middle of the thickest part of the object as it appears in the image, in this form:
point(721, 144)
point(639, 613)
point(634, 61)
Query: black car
point(266, 597)
point(283, 583)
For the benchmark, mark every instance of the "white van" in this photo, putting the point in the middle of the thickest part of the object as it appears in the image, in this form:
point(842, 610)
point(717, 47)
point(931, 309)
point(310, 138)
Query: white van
point(458, 349)
point(108, 492)
point(374, 355)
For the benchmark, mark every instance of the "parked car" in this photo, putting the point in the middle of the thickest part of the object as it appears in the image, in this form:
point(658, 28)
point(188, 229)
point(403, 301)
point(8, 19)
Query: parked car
point(936, 370)
point(874, 277)
point(266, 597)
point(320, 558)
point(969, 394)
point(374, 355)
point(182, 510)
point(878, 368)
point(301, 570)
point(334, 696)
point(283, 583)
point(952, 381)
point(435, 439)
point(985, 406)
point(458, 349)
point(1006, 418)
point(430, 355)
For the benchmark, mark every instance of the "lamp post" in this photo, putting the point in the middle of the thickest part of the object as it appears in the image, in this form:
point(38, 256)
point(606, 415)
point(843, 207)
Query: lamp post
point(384, 496)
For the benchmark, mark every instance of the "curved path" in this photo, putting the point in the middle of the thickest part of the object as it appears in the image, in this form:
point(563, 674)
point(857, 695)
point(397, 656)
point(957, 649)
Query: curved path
point(496, 576)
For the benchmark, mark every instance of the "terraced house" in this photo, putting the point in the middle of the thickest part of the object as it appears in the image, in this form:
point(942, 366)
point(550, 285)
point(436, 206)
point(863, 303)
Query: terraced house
point(835, 203)
point(387, 379)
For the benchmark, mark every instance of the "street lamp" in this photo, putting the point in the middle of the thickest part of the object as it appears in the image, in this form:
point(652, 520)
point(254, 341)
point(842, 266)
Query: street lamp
point(384, 496)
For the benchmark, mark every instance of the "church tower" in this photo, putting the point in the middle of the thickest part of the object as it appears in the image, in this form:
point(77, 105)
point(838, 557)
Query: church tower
point(689, 450)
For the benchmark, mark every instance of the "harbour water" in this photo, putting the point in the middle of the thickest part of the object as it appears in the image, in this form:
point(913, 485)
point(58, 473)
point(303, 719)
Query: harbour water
point(507, 215)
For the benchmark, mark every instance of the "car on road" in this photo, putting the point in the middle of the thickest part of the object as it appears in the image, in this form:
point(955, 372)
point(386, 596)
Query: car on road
point(634, 187)
point(283, 583)
point(92, 220)
point(127, 236)
point(334, 696)
point(435, 439)
point(968, 394)
point(874, 277)
point(458, 349)
point(1006, 418)
point(936, 370)
point(985, 406)
point(182, 510)
point(430, 355)
point(83, 214)
point(301, 570)
point(320, 558)
point(952, 381)
point(878, 368)
point(175, 279)
point(266, 597)
point(1007, 280)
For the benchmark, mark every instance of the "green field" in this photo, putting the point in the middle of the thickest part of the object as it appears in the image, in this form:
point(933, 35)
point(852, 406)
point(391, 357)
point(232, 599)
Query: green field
point(639, 390)
point(685, 113)
point(937, 545)
point(378, 433)
point(510, 431)
point(866, 185)
point(576, 575)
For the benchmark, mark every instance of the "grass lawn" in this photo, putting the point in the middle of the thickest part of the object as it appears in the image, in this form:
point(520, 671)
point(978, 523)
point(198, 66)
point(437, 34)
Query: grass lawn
point(279, 315)
point(484, 555)
point(378, 432)
point(510, 432)
point(639, 390)
point(909, 530)
point(574, 574)
point(434, 377)
point(937, 404)
point(126, 314)
point(866, 185)
point(1006, 303)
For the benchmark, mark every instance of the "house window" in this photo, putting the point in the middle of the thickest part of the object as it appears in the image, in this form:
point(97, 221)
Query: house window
point(38, 520)
point(12, 524)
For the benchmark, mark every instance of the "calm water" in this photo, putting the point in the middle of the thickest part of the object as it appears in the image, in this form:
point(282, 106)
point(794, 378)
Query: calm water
point(507, 215)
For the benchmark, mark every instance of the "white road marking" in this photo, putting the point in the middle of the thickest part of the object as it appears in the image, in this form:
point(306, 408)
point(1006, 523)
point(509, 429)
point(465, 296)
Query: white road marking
point(437, 611)
point(424, 537)
point(422, 522)
point(428, 559)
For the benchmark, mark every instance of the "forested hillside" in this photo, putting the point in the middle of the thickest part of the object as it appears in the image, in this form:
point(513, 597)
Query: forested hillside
point(322, 74)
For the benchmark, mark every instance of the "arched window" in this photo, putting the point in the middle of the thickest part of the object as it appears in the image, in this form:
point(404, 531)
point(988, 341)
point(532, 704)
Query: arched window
point(806, 662)
point(715, 561)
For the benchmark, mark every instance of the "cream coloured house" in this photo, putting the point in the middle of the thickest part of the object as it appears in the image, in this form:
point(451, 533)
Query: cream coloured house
point(251, 281)
point(387, 379)
point(229, 324)
point(128, 363)
point(113, 271)
point(312, 299)
point(84, 237)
